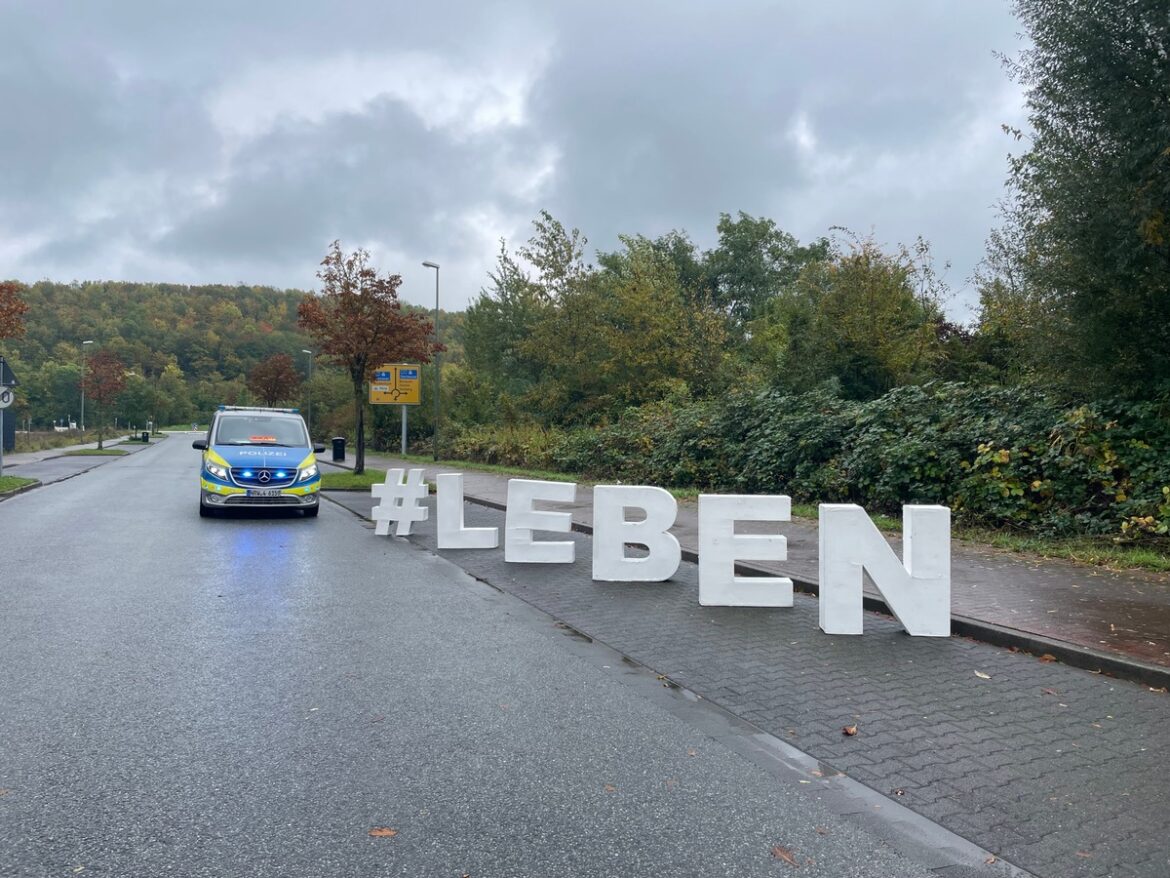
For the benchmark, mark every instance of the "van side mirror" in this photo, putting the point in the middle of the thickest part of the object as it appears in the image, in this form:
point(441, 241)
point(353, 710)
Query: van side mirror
point(318, 447)
point(201, 444)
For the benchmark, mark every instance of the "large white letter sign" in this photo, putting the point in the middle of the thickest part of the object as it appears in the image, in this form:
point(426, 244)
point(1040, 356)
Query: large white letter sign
point(400, 502)
point(918, 594)
point(611, 532)
point(720, 547)
point(449, 521)
point(521, 520)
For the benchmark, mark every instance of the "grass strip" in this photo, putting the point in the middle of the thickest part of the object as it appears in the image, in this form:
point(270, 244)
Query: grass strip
point(8, 484)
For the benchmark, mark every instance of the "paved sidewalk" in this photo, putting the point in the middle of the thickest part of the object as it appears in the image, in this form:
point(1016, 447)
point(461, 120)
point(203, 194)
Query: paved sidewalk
point(1117, 622)
point(1057, 770)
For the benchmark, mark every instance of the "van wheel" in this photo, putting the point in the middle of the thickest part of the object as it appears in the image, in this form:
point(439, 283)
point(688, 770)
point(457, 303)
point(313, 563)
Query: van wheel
point(205, 512)
point(312, 513)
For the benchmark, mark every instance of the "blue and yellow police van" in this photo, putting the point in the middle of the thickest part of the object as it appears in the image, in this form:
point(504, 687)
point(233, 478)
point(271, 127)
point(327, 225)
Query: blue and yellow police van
point(258, 458)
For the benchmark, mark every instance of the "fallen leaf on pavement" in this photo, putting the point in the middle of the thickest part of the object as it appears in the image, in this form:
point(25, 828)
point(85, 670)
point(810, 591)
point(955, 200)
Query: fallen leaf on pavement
point(691, 751)
point(378, 718)
point(1084, 855)
point(1049, 692)
point(779, 852)
point(816, 772)
point(992, 860)
point(982, 676)
point(899, 792)
point(849, 731)
point(610, 788)
point(3, 793)
point(1048, 657)
point(822, 831)
point(383, 832)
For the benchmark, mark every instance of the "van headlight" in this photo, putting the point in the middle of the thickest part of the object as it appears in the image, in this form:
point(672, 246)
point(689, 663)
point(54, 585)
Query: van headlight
point(307, 473)
point(218, 471)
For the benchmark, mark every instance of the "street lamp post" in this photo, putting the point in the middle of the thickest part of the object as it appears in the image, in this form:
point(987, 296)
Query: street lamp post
point(83, 344)
point(309, 407)
point(435, 266)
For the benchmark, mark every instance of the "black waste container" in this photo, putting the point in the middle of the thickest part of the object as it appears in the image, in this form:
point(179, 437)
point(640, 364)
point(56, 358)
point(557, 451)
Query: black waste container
point(339, 448)
point(145, 436)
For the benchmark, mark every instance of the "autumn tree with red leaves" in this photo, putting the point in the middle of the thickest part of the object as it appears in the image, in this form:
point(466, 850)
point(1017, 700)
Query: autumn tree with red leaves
point(12, 309)
point(104, 380)
point(275, 379)
point(359, 324)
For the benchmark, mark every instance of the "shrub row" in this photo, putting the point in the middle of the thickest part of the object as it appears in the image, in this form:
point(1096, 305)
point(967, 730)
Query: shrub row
point(995, 456)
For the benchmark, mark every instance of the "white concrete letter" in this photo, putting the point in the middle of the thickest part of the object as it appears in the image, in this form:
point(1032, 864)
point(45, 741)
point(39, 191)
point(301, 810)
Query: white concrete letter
point(521, 520)
point(611, 532)
point(720, 548)
point(918, 594)
point(399, 502)
point(452, 533)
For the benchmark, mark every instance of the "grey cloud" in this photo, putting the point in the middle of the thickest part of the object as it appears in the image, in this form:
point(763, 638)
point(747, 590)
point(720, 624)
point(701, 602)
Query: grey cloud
point(663, 115)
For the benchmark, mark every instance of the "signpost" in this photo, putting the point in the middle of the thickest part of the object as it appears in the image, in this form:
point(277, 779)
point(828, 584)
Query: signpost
point(397, 384)
point(7, 395)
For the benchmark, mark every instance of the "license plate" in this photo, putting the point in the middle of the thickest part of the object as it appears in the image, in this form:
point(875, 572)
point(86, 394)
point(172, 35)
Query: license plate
point(263, 492)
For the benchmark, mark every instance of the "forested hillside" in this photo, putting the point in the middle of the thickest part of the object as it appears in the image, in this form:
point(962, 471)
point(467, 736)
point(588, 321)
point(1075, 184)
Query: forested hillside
point(188, 348)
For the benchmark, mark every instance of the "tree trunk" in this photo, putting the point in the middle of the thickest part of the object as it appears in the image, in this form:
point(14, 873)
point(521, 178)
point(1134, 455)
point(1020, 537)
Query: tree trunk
point(359, 443)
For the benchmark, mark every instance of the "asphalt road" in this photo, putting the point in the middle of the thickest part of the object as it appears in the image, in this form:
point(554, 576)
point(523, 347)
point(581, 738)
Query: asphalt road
point(254, 696)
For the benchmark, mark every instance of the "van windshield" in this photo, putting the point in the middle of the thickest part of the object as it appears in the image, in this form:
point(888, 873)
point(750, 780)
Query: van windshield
point(260, 430)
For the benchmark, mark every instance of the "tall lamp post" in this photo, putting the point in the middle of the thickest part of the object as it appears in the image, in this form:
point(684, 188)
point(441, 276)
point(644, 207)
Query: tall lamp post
point(83, 344)
point(435, 266)
point(310, 391)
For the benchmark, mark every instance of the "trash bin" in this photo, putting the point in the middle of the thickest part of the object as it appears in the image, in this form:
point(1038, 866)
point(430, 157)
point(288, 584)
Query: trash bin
point(145, 436)
point(339, 448)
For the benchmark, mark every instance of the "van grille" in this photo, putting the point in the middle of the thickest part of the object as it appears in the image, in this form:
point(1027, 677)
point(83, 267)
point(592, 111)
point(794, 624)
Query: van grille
point(262, 477)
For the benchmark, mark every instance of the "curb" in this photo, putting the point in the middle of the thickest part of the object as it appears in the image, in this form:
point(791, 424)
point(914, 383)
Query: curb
point(1082, 657)
point(8, 495)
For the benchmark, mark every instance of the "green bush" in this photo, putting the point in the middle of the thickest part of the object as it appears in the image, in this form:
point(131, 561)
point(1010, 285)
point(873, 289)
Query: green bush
point(996, 456)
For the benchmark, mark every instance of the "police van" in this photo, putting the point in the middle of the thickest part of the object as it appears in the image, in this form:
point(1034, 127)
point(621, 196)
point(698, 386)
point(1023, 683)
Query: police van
point(258, 458)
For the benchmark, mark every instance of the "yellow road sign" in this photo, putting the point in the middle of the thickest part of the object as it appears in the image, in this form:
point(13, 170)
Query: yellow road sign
point(396, 384)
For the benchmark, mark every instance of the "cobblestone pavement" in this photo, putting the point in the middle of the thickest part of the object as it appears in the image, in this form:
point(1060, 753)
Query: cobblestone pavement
point(1060, 771)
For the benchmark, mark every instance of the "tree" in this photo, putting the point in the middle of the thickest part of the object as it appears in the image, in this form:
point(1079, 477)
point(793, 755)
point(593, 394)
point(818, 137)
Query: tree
point(754, 261)
point(105, 378)
point(1091, 192)
point(865, 320)
point(275, 379)
point(626, 335)
point(556, 254)
point(498, 323)
point(358, 323)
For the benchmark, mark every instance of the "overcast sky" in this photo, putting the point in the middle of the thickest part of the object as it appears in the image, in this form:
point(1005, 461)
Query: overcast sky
point(223, 141)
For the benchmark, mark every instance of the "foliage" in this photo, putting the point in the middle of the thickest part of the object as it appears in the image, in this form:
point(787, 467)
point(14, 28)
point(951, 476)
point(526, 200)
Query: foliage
point(12, 309)
point(625, 335)
point(863, 319)
point(754, 261)
point(1091, 193)
point(998, 457)
point(497, 324)
point(358, 324)
point(274, 379)
point(103, 382)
